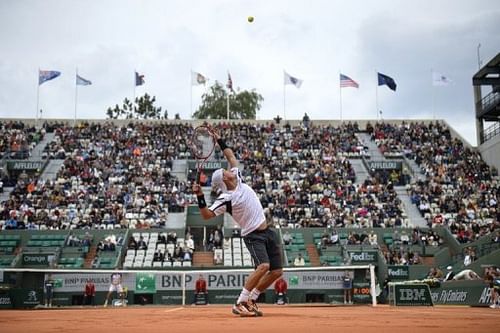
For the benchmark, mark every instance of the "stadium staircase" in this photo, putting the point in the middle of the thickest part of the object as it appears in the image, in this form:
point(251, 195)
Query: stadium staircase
point(428, 261)
point(411, 210)
point(203, 259)
point(416, 170)
point(4, 196)
point(179, 168)
point(312, 251)
point(359, 170)
point(51, 170)
point(373, 150)
point(89, 259)
point(36, 153)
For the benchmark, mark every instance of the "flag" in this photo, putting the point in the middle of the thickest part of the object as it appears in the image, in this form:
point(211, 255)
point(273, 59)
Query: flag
point(386, 80)
point(439, 79)
point(197, 79)
point(292, 80)
point(47, 76)
point(80, 81)
point(229, 82)
point(139, 79)
point(346, 81)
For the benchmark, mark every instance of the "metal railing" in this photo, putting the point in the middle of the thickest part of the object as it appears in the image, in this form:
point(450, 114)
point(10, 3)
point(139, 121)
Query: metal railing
point(491, 132)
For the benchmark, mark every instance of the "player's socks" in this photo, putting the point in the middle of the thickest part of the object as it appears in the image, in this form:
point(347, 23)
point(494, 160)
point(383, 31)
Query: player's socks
point(254, 295)
point(243, 296)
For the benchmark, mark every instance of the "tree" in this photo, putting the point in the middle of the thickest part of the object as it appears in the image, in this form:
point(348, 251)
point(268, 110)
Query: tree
point(242, 105)
point(142, 108)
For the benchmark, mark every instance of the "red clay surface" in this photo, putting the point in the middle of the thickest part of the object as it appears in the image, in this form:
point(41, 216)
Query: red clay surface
point(218, 318)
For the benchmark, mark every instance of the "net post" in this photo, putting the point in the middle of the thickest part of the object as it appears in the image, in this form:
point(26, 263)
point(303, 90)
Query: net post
point(372, 285)
point(183, 288)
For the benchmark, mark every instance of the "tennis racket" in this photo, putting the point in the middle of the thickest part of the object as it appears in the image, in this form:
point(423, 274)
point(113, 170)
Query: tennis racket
point(202, 146)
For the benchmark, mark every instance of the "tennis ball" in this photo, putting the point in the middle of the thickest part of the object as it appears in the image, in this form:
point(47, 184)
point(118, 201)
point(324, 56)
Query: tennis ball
point(250, 19)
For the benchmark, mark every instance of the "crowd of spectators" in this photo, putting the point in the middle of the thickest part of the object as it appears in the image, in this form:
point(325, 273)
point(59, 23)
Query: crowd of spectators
point(459, 191)
point(112, 177)
point(121, 176)
point(18, 139)
point(303, 176)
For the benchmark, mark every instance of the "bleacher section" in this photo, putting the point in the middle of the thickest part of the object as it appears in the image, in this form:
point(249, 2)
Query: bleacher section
point(235, 253)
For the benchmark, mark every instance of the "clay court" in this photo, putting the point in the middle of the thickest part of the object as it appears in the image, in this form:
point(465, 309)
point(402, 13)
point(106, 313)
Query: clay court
point(217, 318)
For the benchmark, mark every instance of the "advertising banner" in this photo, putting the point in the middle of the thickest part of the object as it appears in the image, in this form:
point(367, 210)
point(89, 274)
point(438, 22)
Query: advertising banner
point(413, 294)
point(398, 272)
point(37, 259)
point(236, 280)
point(152, 282)
point(363, 257)
point(145, 283)
point(475, 293)
point(75, 282)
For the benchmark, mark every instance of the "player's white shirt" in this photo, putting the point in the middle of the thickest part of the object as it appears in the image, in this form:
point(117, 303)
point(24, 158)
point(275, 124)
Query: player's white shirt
point(242, 203)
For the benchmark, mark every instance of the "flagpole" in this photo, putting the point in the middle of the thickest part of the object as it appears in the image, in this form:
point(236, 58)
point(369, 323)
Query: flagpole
point(76, 96)
point(37, 97)
point(135, 85)
point(227, 117)
point(191, 95)
point(433, 96)
point(376, 95)
point(284, 101)
point(340, 93)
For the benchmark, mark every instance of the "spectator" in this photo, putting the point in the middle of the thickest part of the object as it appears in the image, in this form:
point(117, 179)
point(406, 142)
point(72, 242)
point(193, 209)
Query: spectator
point(372, 238)
point(449, 274)
point(132, 244)
point(141, 244)
point(347, 287)
point(435, 273)
point(280, 291)
point(87, 239)
point(73, 240)
point(89, 293)
point(189, 242)
point(467, 274)
point(492, 278)
point(299, 260)
point(287, 238)
point(201, 292)
point(49, 290)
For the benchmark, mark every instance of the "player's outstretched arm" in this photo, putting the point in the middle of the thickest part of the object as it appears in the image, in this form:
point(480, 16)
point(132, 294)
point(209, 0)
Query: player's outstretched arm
point(228, 152)
point(204, 211)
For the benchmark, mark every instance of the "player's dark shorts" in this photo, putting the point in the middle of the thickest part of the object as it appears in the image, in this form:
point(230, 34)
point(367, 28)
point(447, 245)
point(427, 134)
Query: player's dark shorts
point(263, 247)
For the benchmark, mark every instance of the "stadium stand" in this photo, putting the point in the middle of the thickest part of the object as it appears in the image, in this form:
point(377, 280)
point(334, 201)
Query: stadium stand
point(120, 177)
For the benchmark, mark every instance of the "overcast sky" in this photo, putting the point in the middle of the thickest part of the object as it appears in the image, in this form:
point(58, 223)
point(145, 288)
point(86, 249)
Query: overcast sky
point(311, 40)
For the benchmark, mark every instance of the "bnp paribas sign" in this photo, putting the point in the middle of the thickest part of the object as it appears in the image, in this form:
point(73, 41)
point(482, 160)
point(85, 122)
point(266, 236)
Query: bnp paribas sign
point(363, 256)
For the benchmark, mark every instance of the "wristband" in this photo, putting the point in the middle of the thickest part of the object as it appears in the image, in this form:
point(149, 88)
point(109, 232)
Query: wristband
point(221, 144)
point(201, 201)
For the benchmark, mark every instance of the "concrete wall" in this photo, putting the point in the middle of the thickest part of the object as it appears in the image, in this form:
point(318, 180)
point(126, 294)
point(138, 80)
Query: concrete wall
point(490, 151)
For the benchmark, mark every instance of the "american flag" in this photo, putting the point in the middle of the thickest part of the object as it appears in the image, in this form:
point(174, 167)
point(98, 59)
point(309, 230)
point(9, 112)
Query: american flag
point(346, 81)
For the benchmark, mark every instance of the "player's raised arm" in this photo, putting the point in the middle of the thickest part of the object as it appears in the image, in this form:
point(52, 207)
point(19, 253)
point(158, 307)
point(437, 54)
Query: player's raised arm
point(228, 152)
point(202, 204)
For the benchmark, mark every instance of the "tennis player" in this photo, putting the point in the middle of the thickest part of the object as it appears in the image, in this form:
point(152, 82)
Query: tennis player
point(240, 200)
point(116, 285)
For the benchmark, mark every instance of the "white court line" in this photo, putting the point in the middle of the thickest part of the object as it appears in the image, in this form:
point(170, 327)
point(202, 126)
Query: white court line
point(172, 310)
